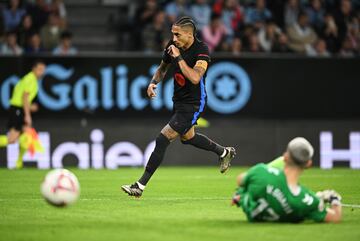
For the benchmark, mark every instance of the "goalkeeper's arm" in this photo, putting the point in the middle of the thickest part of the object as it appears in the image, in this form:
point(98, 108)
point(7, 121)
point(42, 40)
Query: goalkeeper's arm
point(240, 179)
point(334, 214)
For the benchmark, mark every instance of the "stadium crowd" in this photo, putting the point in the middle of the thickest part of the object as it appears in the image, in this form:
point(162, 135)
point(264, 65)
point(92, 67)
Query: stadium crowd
point(312, 27)
point(33, 27)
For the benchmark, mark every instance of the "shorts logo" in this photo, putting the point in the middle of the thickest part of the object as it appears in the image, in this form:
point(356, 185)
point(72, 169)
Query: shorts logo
point(228, 87)
point(180, 79)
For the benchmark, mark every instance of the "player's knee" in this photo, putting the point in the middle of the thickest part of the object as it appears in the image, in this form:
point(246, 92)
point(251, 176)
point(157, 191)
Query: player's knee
point(162, 140)
point(161, 144)
point(186, 141)
point(188, 138)
point(12, 139)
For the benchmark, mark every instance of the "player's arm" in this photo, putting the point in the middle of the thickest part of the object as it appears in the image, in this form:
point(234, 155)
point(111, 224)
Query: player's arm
point(240, 179)
point(157, 78)
point(193, 74)
point(240, 182)
point(333, 214)
point(26, 107)
point(243, 179)
point(160, 72)
point(34, 107)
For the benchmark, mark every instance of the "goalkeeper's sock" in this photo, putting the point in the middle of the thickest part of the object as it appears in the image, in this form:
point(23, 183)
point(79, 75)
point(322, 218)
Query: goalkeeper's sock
point(203, 142)
point(4, 141)
point(155, 159)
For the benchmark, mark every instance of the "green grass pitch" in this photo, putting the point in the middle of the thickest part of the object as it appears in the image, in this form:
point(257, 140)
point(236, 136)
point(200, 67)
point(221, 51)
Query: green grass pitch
point(180, 203)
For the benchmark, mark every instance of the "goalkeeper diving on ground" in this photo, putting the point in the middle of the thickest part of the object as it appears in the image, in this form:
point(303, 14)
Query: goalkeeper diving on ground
point(272, 192)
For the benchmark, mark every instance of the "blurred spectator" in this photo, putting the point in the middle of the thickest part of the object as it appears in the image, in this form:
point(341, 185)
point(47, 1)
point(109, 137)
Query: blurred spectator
point(316, 13)
point(214, 33)
point(253, 44)
point(25, 30)
point(144, 15)
point(58, 7)
point(34, 45)
point(50, 33)
point(39, 12)
point(200, 11)
point(258, 14)
point(65, 47)
point(347, 49)
point(329, 33)
point(343, 17)
point(246, 33)
point(281, 44)
point(10, 47)
point(301, 35)
point(354, 33)
point(156, 33)
point(12, 15)
point(291, 12)
point(232, 15)
point(176, 9)
point(318, 50)
point(267, 36)
point(236, 46)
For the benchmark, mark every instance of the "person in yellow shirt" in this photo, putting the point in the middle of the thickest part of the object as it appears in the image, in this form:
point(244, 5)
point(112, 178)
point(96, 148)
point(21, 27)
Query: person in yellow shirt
point(21, 107)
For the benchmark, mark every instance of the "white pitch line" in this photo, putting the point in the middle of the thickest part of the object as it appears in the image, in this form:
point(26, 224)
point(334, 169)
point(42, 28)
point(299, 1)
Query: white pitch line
point(116, 198)
point(351, 205)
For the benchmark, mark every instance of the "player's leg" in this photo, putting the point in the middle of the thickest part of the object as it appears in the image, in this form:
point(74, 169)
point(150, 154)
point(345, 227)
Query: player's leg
point(162, 141)
point(4, 140)
point(226, 154)
point(15, 126)
point(10, 138)
point(203, 142)
point(23, 147)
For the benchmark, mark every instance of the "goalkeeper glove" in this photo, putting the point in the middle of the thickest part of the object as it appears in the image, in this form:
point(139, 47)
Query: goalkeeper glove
point(329, 196)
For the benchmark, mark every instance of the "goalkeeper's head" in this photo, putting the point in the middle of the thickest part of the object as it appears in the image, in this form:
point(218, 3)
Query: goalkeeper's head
point(299, 153)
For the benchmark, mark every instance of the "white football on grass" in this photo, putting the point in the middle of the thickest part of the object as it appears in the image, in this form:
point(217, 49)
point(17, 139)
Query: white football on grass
point(60, 188)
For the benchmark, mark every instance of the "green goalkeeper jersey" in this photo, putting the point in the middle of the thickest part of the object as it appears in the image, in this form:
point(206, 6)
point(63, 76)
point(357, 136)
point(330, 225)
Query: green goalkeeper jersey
point(265, 196)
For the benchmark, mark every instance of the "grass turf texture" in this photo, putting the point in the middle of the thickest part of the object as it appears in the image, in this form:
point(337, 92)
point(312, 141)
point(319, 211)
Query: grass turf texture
point(180, 203)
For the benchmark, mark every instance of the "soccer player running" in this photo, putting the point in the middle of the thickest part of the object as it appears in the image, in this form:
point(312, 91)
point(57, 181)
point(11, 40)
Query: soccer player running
point(190, 58)
point(21, 107)
point(272, 192)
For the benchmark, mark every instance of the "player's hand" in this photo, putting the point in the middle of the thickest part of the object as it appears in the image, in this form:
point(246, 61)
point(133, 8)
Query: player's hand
point(34, 107)
point(173, 51)
point(151, 90)
point(28, 120)
point(329, 196)
point(235, 200)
